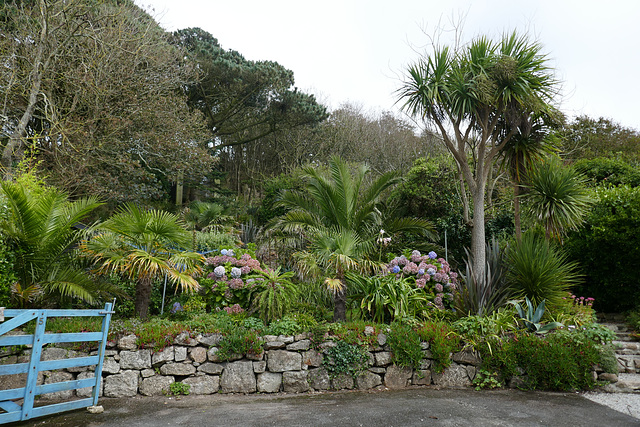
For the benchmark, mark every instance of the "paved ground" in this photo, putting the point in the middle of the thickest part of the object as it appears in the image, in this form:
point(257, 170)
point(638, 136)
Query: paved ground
point(413, 407)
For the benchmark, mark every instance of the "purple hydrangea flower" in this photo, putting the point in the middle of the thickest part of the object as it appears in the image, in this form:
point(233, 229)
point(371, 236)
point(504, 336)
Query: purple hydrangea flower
point(431, 271)
point(176, 308)
point(420, 271)
point(439, 287)
point(395, 269)
point(432, 255)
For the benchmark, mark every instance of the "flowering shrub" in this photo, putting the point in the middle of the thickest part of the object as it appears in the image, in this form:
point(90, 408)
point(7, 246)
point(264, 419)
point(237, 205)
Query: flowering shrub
point(230, 277)
point(430, 273)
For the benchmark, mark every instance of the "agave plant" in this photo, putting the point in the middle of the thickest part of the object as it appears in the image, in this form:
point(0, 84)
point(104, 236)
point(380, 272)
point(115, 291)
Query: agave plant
point(531, 318)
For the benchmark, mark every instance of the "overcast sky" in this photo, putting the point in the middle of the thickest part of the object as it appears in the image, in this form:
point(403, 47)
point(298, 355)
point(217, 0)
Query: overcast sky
point(356, 50)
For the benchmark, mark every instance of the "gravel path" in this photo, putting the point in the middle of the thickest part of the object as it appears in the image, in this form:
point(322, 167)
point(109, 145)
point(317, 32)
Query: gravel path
point(627, 403)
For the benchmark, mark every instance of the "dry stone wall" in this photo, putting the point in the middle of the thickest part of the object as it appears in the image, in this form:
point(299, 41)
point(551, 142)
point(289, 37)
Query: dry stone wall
point(286, 364)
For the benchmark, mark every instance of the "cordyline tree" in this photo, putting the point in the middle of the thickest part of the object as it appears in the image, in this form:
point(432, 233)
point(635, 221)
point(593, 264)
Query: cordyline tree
point(476, 96)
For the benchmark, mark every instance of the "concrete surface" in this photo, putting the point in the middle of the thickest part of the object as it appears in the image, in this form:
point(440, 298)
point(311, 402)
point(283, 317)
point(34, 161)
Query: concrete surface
point(411, 407)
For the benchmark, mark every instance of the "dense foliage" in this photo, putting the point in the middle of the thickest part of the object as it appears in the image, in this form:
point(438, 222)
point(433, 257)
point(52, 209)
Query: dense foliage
point(607, 248)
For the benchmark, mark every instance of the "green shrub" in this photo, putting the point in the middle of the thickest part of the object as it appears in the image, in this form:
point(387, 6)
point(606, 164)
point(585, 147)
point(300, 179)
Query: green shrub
point(486, 380)
point(607, 171)
point(254, 323)
point(539, 271)
point(608, 361)
point(284, 326)
point(344, 358)
point(273, 295)
point(177, 388)
point(406, 349)
point(239, 340)
point(608, 249)
point(555, 362)
point(442, 342)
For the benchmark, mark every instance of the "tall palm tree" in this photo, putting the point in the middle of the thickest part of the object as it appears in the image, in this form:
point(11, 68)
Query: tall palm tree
point(339, 214)
point(528, 146)
point(557, 198)
point(468, 93)
point(41, 229)
point(145, 245)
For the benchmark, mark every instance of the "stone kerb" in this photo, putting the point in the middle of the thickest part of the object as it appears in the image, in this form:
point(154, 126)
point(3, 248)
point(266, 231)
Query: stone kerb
point(287, 364)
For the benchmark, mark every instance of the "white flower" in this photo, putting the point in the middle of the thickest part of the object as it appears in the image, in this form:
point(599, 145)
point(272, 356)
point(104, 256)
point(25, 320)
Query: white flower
point(219, 271)
point(236, 272)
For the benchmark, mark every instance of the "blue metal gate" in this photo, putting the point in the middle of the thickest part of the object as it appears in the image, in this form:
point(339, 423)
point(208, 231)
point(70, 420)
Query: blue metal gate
point(10, 399)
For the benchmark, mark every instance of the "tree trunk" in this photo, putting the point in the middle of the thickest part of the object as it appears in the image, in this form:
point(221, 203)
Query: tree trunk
point(478, 251)
point(516, 210)
point(340, 304)
point(143, 297)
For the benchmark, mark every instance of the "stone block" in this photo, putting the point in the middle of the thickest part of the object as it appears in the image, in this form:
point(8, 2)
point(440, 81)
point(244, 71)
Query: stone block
point(421, 377)
point(88, 391)
point(156, 385)
point(198, 354)
point(312, 358)
point(58, 377)
point(269, 382)
point(259, 367)
point(203, 384)
point(397, 377)
point(302, 345)
point(110, 366)
point(342, 381)
point(146, 373)
point(212, 355)
point(454, 376)
point(209, 340)
point(211, 368)
point(383, 358)
point(128, 342)
point(54, 353)
point(238, 377)
point(467, 357)
point(319, 379)
point(274, 345)
point(180, 354)
point(178, 369)
point(255, 356)
point(382, 339)
point(282, 360)
point(295, 381)
point(124, 384)
point(287, 339)
point(164, 356)
point(612, 378)
point(140, 359)
point(368, 380)
point(185, 339)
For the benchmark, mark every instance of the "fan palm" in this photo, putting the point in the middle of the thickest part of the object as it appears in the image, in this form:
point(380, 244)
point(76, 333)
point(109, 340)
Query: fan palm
point(40, 228)
point(339, 214)
point(557, 197)
point(145, 245)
